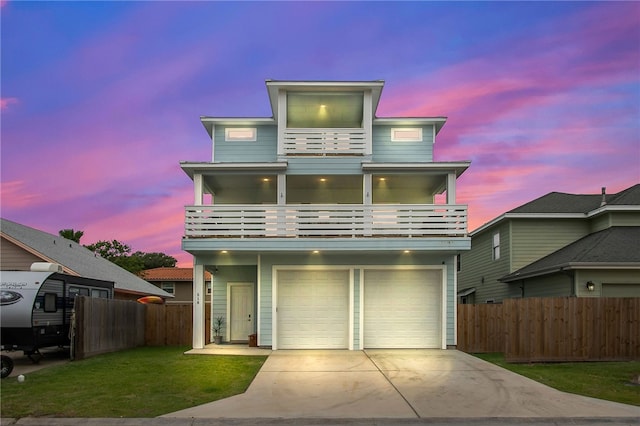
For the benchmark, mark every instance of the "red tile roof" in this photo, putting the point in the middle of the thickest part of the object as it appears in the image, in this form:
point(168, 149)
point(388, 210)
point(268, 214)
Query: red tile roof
point(170, 274)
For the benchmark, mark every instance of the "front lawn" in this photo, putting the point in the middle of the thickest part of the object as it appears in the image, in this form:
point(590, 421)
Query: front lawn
point(142, 382)
point(604, 380)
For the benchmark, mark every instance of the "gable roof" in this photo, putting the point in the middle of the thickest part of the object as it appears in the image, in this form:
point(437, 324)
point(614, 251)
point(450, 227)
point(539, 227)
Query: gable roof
point(560, 204)
point(618, 246)
point(171, 274)
point(76, 259)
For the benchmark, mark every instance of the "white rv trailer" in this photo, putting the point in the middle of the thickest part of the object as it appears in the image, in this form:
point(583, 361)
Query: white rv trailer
point(36, 307)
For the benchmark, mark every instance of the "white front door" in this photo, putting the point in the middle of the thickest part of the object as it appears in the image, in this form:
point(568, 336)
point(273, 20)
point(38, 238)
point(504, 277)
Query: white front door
point(241, 311)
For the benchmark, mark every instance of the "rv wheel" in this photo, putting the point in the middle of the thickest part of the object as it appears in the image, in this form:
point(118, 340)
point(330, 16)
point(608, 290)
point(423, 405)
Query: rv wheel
point(7, 366)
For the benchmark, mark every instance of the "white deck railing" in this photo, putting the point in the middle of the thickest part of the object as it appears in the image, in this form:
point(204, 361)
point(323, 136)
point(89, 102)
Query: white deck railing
point(326, 220)
point(324, 142)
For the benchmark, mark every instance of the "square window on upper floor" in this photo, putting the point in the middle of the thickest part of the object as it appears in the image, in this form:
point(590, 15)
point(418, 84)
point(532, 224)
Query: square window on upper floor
point(325, 110)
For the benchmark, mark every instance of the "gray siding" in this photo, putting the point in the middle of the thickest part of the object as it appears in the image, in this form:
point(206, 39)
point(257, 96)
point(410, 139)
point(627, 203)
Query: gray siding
point(534, 239)
point(264, 149)
point(614, 219)
point(324, 165)
point(386, 151)
point(479, 270)
point(555, 285)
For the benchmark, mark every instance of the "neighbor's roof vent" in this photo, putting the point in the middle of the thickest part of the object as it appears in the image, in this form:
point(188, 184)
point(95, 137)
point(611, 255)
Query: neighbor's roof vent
point(45, 267)
point(604, 196)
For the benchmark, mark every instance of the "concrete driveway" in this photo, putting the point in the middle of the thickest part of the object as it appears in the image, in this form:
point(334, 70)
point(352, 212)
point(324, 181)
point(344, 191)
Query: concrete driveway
point(397, 384)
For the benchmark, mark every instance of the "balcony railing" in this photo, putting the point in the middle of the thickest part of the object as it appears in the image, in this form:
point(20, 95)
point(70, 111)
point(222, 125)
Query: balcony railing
point(324, 142)
point(326, 220)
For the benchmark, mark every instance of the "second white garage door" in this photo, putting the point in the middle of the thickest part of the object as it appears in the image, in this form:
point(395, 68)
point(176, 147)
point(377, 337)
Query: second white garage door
point(402, 308)
point(313, 309)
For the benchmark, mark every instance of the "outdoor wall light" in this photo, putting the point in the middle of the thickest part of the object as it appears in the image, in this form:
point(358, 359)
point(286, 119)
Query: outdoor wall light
point(591, 286)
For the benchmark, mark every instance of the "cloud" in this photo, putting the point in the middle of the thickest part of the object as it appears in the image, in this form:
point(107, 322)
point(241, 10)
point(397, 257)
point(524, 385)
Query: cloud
point(5, 102)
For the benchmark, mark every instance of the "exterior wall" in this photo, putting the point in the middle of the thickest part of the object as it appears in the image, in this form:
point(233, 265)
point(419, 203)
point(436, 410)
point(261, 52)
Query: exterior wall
point(533, 239)
point(264, 149)
point(479, 270)
point(183, 291)
point(386, 151)
point(554, 285)
point(266, 284)
point(324, 165)
point(604, 276)
point(224, 275)
point(614, 219)
point(15, 258)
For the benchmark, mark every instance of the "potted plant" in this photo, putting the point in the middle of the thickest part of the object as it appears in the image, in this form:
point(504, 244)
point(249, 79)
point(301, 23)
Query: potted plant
point(218, 322)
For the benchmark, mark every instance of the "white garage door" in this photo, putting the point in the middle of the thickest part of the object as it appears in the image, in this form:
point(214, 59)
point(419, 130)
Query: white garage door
point(313, 309)
point(403, 309)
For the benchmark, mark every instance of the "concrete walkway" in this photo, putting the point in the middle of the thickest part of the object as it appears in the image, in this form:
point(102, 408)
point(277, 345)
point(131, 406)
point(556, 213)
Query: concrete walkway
point(398, 384)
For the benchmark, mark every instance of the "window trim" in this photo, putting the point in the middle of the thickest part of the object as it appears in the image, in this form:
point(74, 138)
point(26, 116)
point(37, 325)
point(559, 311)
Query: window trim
point(170, 285)
point(395, 138)
point(228, 137)
point(495, 246)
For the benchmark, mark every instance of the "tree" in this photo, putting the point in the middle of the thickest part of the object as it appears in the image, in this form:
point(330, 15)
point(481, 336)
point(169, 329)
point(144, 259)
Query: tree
point(120, 254)
point(155, 260)
point(71, 234)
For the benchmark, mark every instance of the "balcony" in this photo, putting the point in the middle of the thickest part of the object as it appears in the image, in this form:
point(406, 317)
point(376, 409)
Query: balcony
point(313, 141)
point(326, 220)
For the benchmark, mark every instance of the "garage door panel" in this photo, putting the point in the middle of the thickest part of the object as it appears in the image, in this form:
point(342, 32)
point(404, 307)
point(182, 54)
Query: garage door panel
point(402, 309)
point(313, 309)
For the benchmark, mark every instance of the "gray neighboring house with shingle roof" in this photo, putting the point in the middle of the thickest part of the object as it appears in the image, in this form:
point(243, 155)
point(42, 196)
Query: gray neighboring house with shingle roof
point(21, 245)
point(580, 245)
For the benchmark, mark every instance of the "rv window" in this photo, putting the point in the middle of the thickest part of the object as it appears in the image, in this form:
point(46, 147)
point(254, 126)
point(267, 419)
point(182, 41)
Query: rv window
point(50, 300)
point(99, 293)
point(77, 291)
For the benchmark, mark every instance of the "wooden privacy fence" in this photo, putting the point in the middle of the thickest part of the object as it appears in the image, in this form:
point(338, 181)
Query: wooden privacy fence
point(106, 325)
point(553, 329)
point(170, 325)
point(109, 325)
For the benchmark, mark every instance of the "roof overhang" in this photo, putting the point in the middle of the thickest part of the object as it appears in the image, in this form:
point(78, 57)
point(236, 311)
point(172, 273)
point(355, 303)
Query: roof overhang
point(457, 167)
point(274, 87)
point(466, 292)
point(570, 266)
point(506, 216)
point(191, 168)
point(210, 122)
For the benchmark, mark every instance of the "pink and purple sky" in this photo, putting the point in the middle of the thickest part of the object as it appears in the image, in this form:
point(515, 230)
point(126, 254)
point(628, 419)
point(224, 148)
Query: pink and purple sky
point(102, 100)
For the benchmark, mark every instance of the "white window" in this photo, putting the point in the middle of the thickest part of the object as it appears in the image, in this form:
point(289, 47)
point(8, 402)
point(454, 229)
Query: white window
point(168, 287)
point(496, 246)
point(237, 134)
point(406, 134)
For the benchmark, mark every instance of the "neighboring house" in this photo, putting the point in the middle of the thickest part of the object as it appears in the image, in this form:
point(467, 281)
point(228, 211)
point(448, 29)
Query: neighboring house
point(323, 225)
point(557, 245)
point(175, 281)
point(21, 245)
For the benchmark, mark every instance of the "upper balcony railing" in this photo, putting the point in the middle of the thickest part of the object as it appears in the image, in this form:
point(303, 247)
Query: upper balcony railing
point(314, 141)
point(326, 220)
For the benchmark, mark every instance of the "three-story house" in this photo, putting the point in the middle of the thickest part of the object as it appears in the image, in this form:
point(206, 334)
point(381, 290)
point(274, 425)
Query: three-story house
point(321, 226)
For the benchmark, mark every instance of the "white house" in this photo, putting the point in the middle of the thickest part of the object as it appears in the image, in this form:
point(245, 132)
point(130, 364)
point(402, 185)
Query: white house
point(321, 226)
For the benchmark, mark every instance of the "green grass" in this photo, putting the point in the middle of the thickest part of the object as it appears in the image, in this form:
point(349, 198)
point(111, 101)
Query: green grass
point(603, 380)
point(142, 382)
